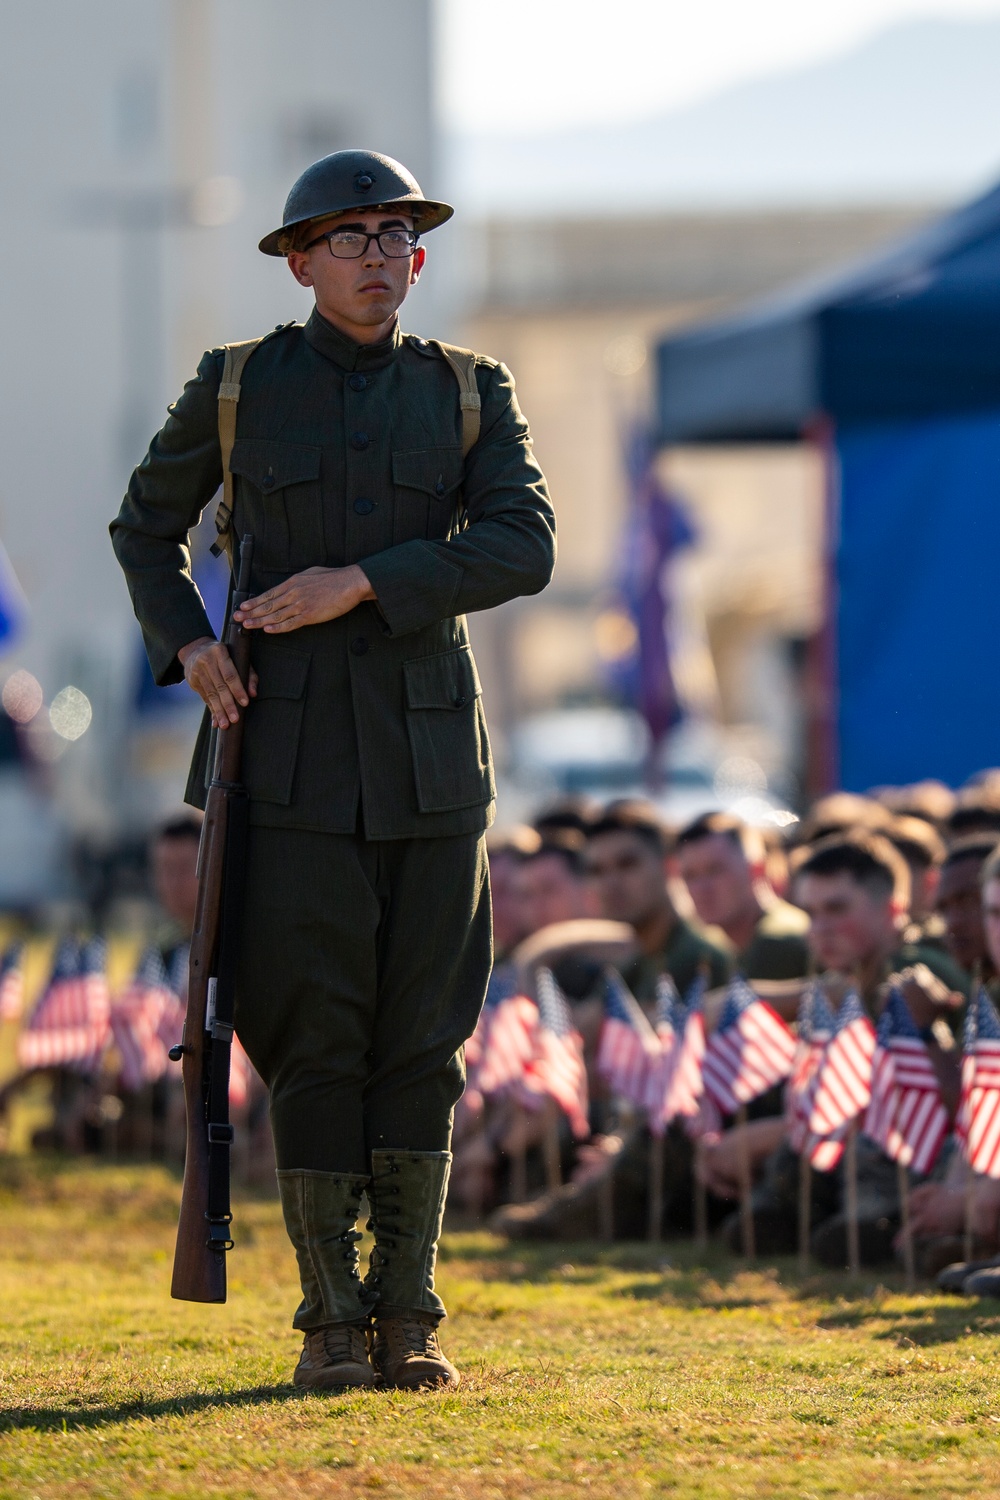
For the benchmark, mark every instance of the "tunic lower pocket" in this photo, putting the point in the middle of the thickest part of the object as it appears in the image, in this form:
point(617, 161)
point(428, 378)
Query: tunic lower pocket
point(450, 748)
point(274, 722)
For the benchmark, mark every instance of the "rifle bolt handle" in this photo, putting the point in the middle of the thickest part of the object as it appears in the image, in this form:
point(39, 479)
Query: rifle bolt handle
point(176, 1053)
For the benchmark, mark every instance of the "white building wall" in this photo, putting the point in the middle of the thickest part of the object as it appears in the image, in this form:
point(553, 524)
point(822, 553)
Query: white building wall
point(122, 121)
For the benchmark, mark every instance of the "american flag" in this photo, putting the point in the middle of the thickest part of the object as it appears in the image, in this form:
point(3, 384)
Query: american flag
point(978, 1124)
point(684, 1091)
point(628, 1049)
point(557, 1067)
point(171, 1024)
point(502, 986)
point(816, 1025)
point(137, 1022)
point(749, 1052)
point(12, 983)
point(842, 1087)
point(70, 1025)
point(668, 1023)
point(507, 1042)
point(906, 1115)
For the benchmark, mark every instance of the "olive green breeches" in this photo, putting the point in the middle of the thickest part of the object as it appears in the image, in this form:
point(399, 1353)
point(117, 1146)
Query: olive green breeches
point(363, 970)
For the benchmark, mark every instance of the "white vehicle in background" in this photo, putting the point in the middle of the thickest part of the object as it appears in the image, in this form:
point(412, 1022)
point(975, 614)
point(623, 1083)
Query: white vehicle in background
point(603, 752)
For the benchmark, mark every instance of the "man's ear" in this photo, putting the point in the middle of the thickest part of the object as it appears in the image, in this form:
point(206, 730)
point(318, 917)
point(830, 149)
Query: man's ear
point(419, 256)
point(301, 267)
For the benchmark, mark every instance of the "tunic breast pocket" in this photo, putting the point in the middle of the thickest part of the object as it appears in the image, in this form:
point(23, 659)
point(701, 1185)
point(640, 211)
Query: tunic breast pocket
point(427, 492)
point(280, 502)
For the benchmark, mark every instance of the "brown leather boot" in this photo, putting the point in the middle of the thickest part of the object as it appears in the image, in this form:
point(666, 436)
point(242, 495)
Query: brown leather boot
point(335, 1357)
point(408, 1357)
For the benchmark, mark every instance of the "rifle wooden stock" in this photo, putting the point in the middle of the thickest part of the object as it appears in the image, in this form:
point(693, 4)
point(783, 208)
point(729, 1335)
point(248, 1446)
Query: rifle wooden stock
point(199, 1273)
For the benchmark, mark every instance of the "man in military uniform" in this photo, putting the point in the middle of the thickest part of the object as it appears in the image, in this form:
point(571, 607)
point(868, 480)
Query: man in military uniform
point(722, 863)
point(626, 858)
point(855, 889)
point(366, 935)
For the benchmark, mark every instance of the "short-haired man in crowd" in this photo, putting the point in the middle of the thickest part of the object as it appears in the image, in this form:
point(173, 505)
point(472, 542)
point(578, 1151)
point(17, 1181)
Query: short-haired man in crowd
point(959, 904)
point(923, 849)
point(938, 1209)
point(855, 891)
point(550, 884)
point(722, 862)
point(626, 858)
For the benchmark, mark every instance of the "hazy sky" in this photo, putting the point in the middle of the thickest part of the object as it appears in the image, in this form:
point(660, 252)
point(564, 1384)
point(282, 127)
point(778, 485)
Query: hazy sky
point(529, 65)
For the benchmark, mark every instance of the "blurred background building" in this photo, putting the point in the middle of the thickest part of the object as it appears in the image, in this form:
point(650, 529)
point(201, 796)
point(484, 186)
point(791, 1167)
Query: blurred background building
point(148, 144)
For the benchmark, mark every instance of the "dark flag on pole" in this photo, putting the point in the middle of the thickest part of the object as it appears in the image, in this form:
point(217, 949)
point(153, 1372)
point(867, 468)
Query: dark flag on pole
point(638, 650)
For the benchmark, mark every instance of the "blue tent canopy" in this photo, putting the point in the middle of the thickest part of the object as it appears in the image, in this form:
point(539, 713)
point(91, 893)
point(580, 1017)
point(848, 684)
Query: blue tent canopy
point(912, 332)
point(901, 358)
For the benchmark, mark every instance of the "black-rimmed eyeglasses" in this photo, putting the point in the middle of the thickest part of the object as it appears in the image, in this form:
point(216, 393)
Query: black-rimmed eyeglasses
point(351, 244)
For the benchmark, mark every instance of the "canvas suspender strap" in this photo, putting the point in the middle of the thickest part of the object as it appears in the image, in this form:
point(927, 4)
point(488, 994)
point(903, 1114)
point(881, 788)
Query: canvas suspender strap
point(463, 364)
point(229, 396)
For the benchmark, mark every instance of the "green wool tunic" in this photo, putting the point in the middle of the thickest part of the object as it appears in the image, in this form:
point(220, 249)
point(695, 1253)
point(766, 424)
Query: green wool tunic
point(367, 942)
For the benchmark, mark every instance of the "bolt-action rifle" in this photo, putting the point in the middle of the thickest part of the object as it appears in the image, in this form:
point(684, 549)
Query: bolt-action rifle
point(203, 1232)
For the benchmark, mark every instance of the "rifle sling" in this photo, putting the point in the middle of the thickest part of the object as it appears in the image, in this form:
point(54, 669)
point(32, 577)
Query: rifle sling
point(219, 1043)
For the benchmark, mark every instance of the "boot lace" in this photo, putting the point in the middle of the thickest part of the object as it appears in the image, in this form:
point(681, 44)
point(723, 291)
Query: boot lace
point(339, 1343)
point(406, 1337)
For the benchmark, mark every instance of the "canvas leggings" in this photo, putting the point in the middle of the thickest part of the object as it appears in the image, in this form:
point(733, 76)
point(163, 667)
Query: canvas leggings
point(363, 970)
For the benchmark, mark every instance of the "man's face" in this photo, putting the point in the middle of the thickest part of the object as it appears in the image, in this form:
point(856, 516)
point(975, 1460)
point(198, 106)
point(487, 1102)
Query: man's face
point(960, 904)
point(849, 925)
point(508, 917)
point(718, 877)
point(627, 876)
point(362, 294)
point(174, 867)
point(546, 890)
point(991, 920)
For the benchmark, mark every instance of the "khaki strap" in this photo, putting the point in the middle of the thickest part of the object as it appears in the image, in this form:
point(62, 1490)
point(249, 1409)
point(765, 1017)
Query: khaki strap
point(463, 364)
point(229, 395)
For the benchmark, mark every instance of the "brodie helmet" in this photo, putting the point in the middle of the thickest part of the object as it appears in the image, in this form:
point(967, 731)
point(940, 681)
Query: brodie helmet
point(352, 179)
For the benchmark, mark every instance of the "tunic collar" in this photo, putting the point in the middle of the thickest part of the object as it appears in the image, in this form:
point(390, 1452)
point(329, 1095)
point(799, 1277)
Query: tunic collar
point(326, 339)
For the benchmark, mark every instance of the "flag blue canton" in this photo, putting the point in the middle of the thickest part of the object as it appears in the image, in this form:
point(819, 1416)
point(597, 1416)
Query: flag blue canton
point(67, 964)
point(553, 1008)
point(618, 998)
point(152, 971)
point(815, 1017)
point(851, 1010)
point(93, 957)
point(981, 1021)
point(11, 958)
point(502, 986)
point(896, 1021)
point(670, 1008)
point(739, 997)
point(696, 992)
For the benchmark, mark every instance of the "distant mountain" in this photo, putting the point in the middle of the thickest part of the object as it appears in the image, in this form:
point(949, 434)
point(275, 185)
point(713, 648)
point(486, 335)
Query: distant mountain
point(913, 114)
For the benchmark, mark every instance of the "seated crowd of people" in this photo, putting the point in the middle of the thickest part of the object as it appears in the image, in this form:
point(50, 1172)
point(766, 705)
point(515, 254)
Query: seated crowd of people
point(897, 892)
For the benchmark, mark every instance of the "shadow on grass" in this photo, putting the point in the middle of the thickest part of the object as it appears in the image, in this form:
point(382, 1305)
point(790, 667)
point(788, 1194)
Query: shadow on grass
point(684, 1275)
point(935, 1323)
point(73, 1418)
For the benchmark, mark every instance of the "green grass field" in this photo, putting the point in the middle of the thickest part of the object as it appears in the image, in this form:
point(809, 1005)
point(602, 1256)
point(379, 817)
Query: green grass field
point(598, 1371)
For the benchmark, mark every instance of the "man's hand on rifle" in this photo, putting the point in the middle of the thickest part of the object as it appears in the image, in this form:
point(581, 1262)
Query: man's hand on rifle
point(208, 668)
